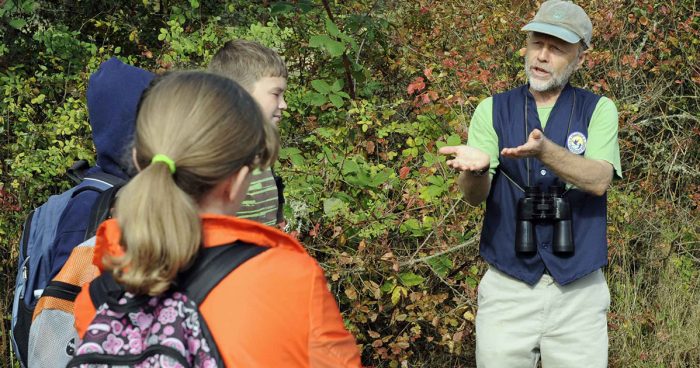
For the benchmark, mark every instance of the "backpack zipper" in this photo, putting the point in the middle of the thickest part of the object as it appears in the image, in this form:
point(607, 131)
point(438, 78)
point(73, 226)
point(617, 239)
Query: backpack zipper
point(128, 360)
point(23, 252)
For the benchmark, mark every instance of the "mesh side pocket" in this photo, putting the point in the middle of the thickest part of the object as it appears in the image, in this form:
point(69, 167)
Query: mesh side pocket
point(52, 339)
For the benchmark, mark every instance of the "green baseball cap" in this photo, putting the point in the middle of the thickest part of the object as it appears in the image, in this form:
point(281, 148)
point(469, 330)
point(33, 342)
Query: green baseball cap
point(564, 20)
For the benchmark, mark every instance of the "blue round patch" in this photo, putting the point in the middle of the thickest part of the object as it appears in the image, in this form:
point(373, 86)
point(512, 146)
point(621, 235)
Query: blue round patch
point(576, 143)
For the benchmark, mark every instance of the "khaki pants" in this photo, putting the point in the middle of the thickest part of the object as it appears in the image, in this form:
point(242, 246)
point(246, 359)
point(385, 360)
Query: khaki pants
point(565, 326)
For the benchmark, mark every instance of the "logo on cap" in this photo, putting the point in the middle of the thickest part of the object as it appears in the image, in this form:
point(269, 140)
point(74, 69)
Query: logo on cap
point(576, 143)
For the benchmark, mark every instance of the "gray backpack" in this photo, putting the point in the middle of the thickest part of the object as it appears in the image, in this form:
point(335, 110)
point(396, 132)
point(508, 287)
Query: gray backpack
point(35, 257)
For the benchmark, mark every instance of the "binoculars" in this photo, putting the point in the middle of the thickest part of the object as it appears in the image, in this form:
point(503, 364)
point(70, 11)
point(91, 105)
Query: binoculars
point(548, 206)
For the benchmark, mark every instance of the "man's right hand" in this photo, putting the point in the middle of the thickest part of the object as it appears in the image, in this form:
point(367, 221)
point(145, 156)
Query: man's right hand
point(469, 160)
point(466, 158)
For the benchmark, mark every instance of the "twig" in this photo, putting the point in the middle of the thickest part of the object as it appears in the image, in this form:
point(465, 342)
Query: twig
point(346, 60)
point(669, 117)
point(432, 232)
point(468, 243)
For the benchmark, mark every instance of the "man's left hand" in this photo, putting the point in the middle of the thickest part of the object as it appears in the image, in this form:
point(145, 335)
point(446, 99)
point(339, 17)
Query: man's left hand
point(532, 148)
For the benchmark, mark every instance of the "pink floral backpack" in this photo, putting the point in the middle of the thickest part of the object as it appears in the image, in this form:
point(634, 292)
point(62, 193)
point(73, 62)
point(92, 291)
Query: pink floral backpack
point(166, 330)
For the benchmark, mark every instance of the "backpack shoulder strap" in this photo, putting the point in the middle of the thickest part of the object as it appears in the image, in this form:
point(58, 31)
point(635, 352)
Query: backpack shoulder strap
point(212, 265)
point(101, 210)
point(106, 178)
point(99, 182)
point(77, 171)
point(104, 289)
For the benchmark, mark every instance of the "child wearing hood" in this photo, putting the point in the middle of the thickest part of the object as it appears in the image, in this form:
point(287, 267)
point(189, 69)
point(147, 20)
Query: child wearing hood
point(113, 94)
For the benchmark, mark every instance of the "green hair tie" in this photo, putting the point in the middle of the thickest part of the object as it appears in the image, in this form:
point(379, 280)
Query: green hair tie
point(166, 160)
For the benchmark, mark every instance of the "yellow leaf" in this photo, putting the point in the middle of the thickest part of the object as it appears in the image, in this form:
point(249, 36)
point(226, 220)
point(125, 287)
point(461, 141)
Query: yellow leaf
point(396, 294)
point(469, 316)
point(351, 294)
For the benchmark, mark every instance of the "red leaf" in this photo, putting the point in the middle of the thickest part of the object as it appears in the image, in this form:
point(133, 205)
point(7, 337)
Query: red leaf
point(432, 95)
point(422, 99)
point(314, 232)
point(369, 146)
point(418, 84)
point(8, 201)
point(403, 172)
point(449, 63)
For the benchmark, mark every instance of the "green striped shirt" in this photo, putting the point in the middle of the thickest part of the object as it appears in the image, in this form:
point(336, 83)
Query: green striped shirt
point(261, 203)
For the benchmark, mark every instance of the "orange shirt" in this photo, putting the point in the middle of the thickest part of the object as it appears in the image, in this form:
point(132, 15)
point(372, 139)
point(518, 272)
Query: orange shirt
point(275, 310)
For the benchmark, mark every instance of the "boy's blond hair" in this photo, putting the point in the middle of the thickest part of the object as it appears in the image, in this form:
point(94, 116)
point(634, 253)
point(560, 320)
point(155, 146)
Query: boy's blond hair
point(246, 62)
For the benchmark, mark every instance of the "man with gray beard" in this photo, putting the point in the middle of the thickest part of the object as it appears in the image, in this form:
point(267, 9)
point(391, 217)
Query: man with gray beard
point(542, 157)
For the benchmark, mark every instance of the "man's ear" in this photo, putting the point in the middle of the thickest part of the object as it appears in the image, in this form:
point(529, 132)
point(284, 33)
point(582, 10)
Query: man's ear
point(238, 183)
point(134, 160)
point(581, 59)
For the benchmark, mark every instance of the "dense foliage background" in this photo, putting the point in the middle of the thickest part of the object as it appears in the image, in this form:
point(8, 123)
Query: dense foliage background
point(375, 88)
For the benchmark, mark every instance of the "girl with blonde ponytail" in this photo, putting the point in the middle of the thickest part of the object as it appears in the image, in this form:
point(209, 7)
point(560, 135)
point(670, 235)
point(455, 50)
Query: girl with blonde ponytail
point(198, 137)
point(190, 120)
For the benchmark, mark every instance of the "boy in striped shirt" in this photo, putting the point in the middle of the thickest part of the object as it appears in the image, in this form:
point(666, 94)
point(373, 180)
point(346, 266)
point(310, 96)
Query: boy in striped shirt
point(262, 72)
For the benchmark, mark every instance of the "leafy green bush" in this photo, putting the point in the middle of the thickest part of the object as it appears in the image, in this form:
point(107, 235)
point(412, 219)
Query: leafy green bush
point(375, 88)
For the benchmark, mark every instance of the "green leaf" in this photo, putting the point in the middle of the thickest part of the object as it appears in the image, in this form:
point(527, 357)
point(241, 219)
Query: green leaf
point(293, 154)
point(343, 94)
point(194, 4)
point(321, 86)
point(316, 99)
point(472, 282)
point(332, 206)
point(350, 167)
point(380, 178)
point(287, 152)
point(333, 47)
point(306, 5)
point(337, 85)
point(436, 180)
point(431, 192)
point(411, 224)
point(441, 265)
point(388, 286)
point(29, 6)
point(430, 159)
point(17, 23)
point(360, 179)
point(332, 28)
point(281, 7)
point(454, 140)
point(38, 99)
point(297, 160)
point(336, 100)
point(409, 279)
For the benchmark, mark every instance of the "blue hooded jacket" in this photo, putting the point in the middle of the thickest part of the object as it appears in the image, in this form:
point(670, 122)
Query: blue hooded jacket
point(114, 91)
